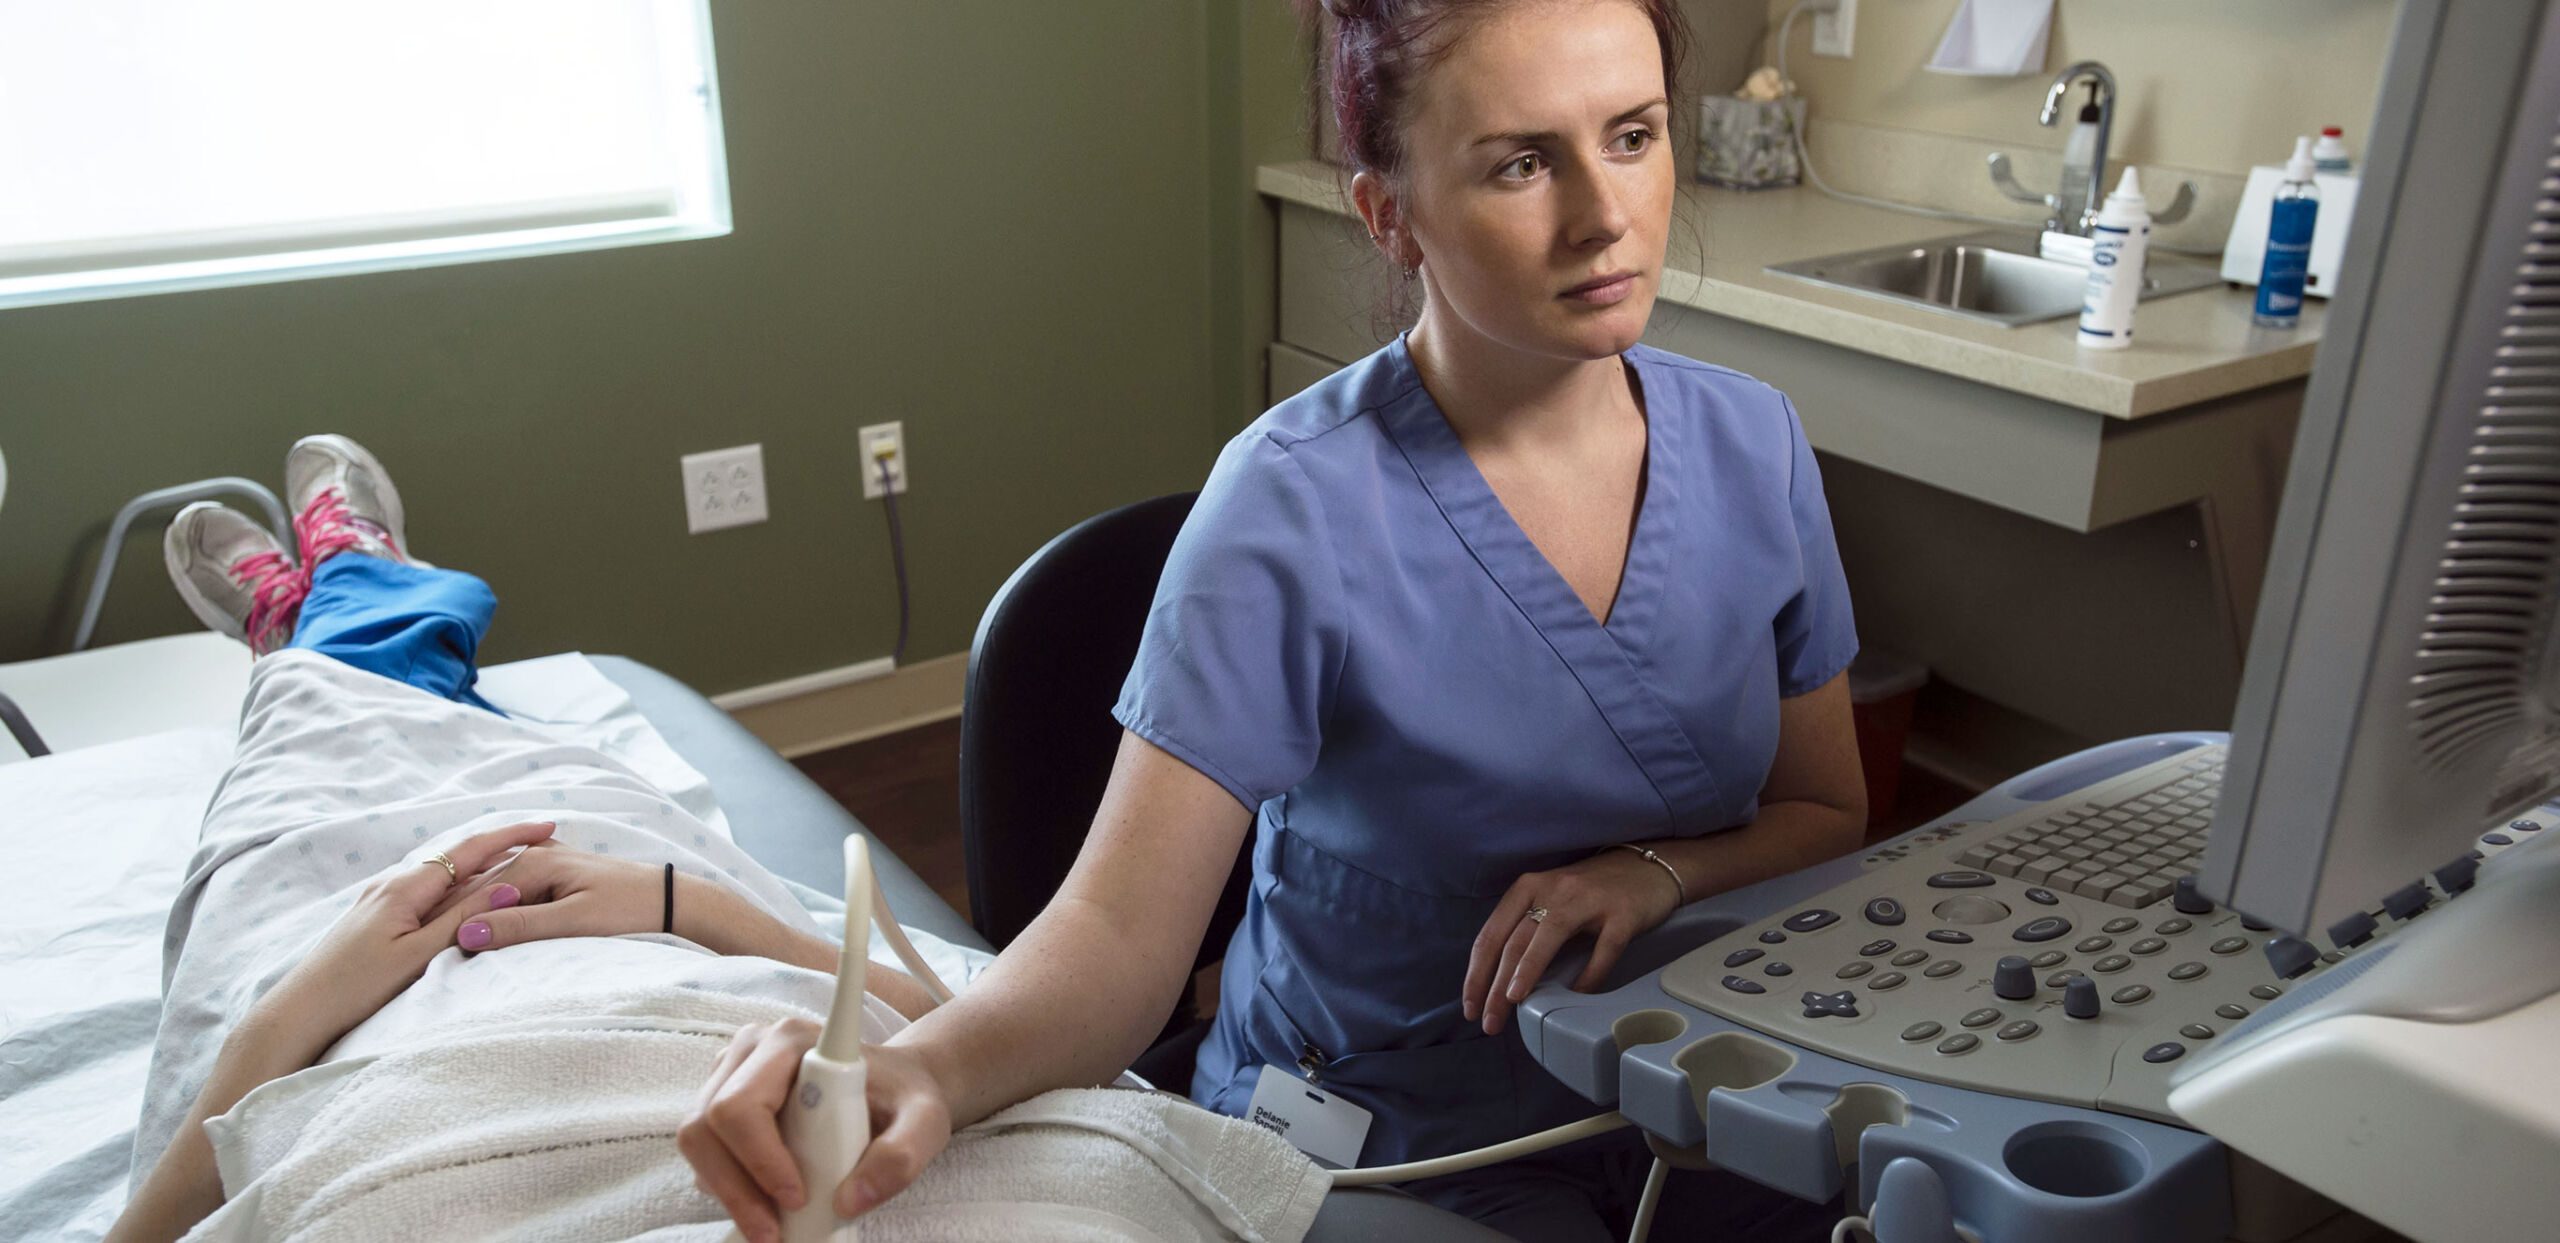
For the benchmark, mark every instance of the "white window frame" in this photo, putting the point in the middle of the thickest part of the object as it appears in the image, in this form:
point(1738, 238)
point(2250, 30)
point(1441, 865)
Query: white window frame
point(72, 272)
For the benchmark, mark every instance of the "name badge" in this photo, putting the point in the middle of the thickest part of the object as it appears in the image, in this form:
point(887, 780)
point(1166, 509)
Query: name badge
point(1320, 1124)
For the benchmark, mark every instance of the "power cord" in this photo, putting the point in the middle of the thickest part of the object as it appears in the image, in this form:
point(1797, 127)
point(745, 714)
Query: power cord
point(897, 554)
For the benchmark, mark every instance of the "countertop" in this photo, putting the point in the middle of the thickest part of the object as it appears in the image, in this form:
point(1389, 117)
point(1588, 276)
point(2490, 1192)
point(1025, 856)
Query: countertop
point(2188, 347)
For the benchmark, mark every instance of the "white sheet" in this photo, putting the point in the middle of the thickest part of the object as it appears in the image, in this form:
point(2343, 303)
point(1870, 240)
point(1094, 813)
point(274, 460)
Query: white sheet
point(98, 842)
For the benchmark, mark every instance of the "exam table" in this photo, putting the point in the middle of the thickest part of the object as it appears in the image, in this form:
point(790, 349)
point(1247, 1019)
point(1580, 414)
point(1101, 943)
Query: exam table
point(189, 687)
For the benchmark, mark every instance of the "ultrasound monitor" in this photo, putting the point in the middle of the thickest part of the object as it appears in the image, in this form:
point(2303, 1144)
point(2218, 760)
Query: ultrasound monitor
point(2402, 691)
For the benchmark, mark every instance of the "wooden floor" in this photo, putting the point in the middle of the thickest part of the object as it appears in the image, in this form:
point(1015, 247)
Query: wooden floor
point(906, 787)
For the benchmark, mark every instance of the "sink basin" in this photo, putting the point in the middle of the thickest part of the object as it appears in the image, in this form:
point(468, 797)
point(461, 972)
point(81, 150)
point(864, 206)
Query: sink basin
point(1994, 277)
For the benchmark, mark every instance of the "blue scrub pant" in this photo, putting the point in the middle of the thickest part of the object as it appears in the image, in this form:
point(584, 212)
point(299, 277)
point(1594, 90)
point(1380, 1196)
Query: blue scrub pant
point(408, 623)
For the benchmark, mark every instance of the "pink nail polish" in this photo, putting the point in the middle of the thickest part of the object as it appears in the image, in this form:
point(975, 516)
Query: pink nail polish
point(503, 896)
point(474, 935)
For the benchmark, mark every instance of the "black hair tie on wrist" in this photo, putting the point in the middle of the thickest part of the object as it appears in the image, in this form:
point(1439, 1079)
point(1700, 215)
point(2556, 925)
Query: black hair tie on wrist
point(669, 923)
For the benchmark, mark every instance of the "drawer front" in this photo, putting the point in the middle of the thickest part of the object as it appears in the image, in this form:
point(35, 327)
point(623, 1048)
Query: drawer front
point(1293, 371)
point(1337, 297)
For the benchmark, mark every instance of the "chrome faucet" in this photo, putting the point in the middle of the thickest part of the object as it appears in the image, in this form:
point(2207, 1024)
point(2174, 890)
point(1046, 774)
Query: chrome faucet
point(2074, 212)
point(2075, 208)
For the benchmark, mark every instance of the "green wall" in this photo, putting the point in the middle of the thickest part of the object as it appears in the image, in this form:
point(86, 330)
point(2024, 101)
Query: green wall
point(1010, 225)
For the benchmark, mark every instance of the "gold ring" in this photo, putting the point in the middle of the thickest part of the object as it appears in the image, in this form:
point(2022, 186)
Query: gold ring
point(1537, 914)
point(451, 877)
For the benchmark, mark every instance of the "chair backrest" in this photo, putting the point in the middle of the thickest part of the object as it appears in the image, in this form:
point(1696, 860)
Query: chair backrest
point(1036, 734)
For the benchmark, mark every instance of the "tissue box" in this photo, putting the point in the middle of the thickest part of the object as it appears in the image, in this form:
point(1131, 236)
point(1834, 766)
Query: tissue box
point(1748, 144)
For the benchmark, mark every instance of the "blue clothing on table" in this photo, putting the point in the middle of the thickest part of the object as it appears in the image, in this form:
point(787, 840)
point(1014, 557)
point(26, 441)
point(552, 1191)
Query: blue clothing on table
point(1356, 640)
point(409, 623)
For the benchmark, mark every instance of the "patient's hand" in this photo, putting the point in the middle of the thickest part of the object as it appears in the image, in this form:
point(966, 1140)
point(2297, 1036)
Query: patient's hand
point(403, 917)
point(568, 892)
point(733, 1136)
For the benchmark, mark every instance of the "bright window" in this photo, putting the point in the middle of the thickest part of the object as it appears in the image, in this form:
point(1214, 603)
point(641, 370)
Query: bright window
point(150, 145)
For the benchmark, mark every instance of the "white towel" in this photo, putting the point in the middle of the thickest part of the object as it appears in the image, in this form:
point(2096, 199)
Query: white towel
point(561, 1125)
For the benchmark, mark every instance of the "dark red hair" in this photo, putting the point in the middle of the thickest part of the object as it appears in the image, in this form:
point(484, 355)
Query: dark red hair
point(1373, 50)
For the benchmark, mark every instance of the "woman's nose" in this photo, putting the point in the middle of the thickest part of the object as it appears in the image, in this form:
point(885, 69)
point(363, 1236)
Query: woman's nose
point(1599, 214)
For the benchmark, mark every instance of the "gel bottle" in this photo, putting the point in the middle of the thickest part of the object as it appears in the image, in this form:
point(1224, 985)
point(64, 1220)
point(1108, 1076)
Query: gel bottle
point(2290, 219)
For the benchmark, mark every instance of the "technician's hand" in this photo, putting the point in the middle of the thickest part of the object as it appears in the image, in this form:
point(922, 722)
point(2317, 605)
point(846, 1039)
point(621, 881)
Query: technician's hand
point(733, 1137)
point(404, 916)
point(1614, 896)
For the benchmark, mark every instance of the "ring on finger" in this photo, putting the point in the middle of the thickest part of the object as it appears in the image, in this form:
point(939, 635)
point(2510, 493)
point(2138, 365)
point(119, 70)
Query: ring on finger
point(440, 859)
point(1537, 914)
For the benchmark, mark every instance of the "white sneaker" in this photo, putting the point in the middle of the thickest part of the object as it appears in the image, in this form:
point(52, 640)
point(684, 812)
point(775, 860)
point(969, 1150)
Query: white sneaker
point(343, 501)
point(234, 575)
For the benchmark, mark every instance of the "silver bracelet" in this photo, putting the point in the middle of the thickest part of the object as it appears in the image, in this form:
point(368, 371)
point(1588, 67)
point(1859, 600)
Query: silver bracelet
point(1679, 886)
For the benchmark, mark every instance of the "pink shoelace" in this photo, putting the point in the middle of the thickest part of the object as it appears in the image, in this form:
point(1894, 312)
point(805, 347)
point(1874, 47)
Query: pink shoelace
point(276, 588)
point(324, 528)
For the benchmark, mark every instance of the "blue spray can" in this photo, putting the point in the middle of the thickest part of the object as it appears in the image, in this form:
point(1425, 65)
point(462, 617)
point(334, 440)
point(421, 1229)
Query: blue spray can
point(2290, 220)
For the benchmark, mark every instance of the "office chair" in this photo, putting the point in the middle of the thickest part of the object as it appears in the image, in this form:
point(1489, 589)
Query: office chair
point(1037, 738)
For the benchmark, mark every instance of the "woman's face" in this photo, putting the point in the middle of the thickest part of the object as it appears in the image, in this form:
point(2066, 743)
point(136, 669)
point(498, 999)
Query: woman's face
point(1536, 164)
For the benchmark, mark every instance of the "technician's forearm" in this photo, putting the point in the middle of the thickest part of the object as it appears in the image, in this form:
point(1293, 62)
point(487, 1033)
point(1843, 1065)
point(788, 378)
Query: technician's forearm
point(1788, 836)
point(185, 1186)
point(718, 919)
point(1070, 1003)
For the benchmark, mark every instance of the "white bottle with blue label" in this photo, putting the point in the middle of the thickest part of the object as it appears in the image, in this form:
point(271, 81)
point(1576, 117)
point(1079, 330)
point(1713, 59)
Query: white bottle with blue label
point(2118, 243)
point(2290, 221)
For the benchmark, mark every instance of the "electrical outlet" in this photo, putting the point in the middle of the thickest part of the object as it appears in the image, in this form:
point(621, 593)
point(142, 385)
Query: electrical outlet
point(723, 488)
point(879, 439)
point(1835, 32)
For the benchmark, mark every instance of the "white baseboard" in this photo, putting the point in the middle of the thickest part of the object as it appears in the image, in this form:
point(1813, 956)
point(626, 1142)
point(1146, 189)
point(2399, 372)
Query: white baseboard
point(818, 711)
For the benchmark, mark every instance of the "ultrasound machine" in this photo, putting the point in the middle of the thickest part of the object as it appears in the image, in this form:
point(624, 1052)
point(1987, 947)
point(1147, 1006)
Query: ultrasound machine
point(2291, 984)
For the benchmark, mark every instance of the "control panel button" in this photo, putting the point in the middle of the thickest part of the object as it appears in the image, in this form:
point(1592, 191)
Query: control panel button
point(2042, 896)
point(1961, 1042)
point(1943, 968)
point(1949, 936)
point(2255, 924)
point(2080, 998)
point(2232, 1010)
point(1777, 968)
point(1922, 1030)
point(1873, 948)
point(2524, 826)
point(2457, 876)
point(2148, 946)
point(1983, 1017)
point(2063, 978)
point(2187, 971)
point(2265, 992)
point(2494, 839)
point(1910, 958)
point(2111, 964)
point(2043, 928)
point(1853, 970)
point(1743, 956)
point(2131, 995)
point(1887, 982)
point(2291, 956)
point(2354, 930)
point(2012, 979)
point(2165, 1051)
point(2121, 924)
point(1743, 984)
point(2188, 901)
point(2406, 901)
point(2049, 958)
point(1773, 937)
point(2020, 1030)
point(1884, 911)
point(1810, 921)
point(2196, 1031)
point(2172, 927)
point(2230, 945)
point(1831, 1005)
point(1961, 880)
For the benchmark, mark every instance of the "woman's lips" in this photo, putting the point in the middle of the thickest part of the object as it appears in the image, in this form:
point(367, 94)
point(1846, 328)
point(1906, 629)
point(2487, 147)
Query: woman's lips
point(1604, 292)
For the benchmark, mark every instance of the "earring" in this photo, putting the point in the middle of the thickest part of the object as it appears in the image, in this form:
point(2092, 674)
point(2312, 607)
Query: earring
point(1411, 272)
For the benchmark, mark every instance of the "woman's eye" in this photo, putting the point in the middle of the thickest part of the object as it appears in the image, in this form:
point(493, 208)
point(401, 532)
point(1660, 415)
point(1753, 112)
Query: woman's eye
point(1636, 140)
point(1521, 168)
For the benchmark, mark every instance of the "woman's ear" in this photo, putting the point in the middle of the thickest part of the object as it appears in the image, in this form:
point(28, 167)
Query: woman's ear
point(1384, 215)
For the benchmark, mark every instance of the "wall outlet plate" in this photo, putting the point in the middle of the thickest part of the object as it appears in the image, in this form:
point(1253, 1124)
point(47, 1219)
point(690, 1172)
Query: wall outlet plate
point(1835, 32)
point(891, 437)
point(724, 488)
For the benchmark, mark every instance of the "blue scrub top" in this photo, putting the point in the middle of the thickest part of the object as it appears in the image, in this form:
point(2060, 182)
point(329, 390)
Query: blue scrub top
point(1356, 640)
